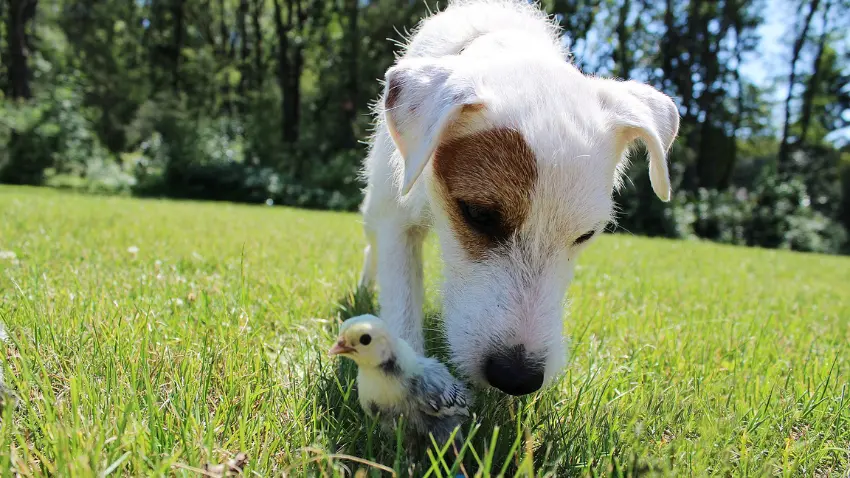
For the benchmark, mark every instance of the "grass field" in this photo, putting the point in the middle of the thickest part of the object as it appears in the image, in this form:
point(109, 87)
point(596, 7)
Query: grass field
point(154, 337)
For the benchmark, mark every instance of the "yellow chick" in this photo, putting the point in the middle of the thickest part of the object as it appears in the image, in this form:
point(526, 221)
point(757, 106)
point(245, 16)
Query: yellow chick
point(393, 381)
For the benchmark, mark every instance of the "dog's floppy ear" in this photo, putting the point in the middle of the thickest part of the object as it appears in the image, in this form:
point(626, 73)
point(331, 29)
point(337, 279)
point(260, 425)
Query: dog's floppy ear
point(638, 111)
point(422, 98)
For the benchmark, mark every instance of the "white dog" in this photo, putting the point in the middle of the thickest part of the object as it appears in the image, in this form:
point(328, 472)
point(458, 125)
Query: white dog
point(487, 133)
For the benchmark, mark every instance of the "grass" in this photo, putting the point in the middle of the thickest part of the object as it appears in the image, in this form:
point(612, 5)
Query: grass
point(154, 337)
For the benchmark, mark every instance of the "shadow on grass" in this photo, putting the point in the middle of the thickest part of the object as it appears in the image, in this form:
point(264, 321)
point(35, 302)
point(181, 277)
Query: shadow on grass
point(543, 434)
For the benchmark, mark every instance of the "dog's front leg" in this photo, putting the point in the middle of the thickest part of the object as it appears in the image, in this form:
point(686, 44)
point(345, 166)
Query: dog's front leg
point(400, 281)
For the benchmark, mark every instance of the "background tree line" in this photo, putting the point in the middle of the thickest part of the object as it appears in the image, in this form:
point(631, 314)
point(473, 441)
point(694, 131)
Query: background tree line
point(268, 101)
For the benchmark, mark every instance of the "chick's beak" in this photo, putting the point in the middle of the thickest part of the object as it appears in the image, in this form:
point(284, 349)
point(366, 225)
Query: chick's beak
point(340, 348)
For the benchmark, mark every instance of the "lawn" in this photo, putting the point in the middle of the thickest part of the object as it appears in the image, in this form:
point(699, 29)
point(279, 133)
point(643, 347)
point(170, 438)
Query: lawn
point(155, 337)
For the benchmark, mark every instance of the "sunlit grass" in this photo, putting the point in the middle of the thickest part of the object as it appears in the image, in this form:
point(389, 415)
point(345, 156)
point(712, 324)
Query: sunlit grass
point(154, 337)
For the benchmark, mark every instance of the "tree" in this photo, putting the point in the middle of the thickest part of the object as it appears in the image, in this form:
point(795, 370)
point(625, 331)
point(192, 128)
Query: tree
point(105, 53)
point(827, 93)
point(244, 42)
point(352, 13)
point(796, 50)
point(622, 54)
point(259, 60)
point(290, 64)
point(226, 98)
point(698, 58)
point(826, 101)
point(3, 73)
point(20, 24)
point(179, 35)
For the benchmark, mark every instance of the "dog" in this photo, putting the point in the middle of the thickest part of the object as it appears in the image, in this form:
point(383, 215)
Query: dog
point(488, 134)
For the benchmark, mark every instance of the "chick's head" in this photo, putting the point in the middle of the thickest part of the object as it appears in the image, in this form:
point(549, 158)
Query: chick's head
point(365, 340)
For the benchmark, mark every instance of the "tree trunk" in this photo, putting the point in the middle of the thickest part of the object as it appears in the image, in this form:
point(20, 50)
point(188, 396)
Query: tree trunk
point(622, 56)
point(205, 25)
point(726, 175)
point(222, 52)
point(799, 43)
point(21, 14)
point(259, 67)
point(178, 17)
point(668, 41)
point(3, 68)
point(811, 87)
point(352, 87)
point(223, 31)
point(711, 165)
point(695, 129)
point(293, 112)
point(244, 73)
point(289, 129)
point(691, 44)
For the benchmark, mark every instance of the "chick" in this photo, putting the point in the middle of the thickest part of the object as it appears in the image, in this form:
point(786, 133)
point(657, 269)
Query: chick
point(393, 381)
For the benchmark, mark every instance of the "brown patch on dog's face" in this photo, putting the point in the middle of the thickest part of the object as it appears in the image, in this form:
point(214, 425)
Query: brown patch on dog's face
point(486, 180)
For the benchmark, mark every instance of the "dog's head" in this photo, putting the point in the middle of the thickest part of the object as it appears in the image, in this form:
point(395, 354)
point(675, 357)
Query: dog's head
point(520, 157)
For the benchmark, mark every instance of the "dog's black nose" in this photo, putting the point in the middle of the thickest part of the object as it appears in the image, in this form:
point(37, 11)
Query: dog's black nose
point(514, 372)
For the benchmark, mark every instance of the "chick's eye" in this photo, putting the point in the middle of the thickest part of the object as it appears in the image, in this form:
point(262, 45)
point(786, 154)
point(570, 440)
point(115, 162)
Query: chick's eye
point(365, 339)
point(584, 237)
point(485, 220)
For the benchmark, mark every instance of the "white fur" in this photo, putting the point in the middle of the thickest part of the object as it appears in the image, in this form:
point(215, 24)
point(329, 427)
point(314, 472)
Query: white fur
point(504, 58)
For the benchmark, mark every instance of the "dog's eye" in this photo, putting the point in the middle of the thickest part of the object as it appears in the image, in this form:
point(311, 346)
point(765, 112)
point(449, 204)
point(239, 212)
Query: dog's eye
point(365, 339)
point(584, 237)
point(485, 220)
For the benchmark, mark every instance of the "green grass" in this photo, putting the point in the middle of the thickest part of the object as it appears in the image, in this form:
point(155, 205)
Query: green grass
point(687, 358)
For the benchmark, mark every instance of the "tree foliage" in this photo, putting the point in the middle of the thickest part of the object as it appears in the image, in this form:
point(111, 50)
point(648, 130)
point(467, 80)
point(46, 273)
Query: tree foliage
point(268, 100)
